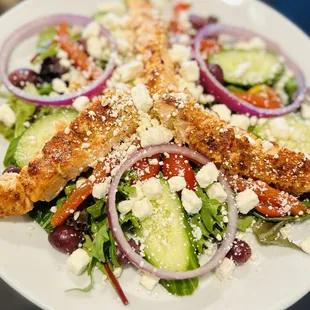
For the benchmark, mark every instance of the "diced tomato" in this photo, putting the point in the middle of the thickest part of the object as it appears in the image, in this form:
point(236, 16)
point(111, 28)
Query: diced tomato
point(145, 170)
point(268, 210)
point(262, 96)
point(178, 165)
point(179, 7)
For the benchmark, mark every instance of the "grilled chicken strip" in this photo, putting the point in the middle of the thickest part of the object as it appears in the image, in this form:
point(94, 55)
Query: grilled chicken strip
point(108, 121)
point(231, 148)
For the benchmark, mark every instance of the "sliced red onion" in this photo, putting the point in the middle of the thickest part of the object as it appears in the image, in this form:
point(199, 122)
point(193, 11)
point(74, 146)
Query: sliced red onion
point(222, 94)
point(126, 248)
point(34, 27)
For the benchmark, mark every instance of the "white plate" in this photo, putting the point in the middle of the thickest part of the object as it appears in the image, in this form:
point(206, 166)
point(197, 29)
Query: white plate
point(277, 279)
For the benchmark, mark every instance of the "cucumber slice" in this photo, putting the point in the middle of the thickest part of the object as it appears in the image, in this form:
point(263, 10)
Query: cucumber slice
point(248, 67)
point(35, 137)
point(169, 241)
point(293, 132)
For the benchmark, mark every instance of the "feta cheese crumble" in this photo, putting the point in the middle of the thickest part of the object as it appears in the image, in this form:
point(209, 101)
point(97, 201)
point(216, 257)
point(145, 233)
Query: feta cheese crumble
point(125, 206)
point(216, 191)
point(179, 53)
point(241, 121)
point(141, 98)
point(155, 136)
point(100, 190)
point(177, 183)
point(305, 245)
point(148, 281)
point(138, 193)
point(78, 261)
point(152, 188)
point(81, 103)
point(246, 201)
point(59, 86)
point(91, 30)
point(142, 209)
point(207, 175)
point(223, 112)
point(191, 202)
point(130, 70)
point(224, 271)
point(190, 71)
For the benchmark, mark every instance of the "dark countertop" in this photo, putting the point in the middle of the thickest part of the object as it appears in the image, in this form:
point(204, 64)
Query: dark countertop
point(297, 11)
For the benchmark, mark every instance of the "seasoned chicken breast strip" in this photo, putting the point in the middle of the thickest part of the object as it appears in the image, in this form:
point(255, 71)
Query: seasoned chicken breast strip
point(108, 121)
point(235, 150)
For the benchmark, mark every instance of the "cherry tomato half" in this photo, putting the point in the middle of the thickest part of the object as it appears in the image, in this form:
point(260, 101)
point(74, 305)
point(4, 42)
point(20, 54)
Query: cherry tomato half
point(178, 165)
point(145, 170)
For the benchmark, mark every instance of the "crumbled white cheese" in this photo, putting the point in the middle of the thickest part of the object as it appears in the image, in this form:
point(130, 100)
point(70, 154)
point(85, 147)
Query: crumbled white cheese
point(152, 188)
point(206, 98)
point(59, 85)
point(305, 245)
point(179, 53)
point(241, 121)
point(80, 182)
point(191, 202)
point(246, 201)
point(112, 21)
point(207, 175)
point(190, 71)
point(81, 103)
point(125, 206)
point(141, 98)
point(7, 115)
point(223, 112)
point(53, 209)
point(286, 231)
point(279, 128)
point(112, 6)
point(197, 233)
point(267, 146)
point(305, 111)
point(91, 30)
point(216, 191)
point(130, 71)
point(142, 209)
point(138, 193)
point(155, 136)
point(177, 183)
point(94, 47)
point(224, 271)
point(101, 189)
point(117, 272)
point(148, 281)
point(62, 54)
point(78, 261)
point(66, 63)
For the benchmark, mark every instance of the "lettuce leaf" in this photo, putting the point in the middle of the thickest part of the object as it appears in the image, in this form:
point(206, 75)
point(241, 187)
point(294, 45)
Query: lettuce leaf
point(245, 222)
point(269, 233)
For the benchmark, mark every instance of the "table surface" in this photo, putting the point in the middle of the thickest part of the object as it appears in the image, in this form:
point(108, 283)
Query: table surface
point(297, 11)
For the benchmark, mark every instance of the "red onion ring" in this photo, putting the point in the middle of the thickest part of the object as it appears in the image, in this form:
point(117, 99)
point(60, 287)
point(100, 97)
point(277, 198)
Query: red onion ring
point(32, 28)
point(222, 94)
point(125, 247)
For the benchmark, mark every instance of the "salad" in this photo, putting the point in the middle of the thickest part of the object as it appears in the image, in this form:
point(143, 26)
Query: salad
point(134, 143)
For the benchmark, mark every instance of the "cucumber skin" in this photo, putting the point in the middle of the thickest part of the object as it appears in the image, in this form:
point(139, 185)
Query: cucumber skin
point(22, 156)
point(188, 286)
point(184, 287)
point(269, 81)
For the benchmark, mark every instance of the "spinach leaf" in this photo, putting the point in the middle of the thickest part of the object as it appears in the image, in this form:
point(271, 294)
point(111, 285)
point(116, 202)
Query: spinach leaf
point(112, 251)
point(86, 289)
point(42, 215)
point(45, 89)
point(101, 238)
point(98, 209)
point(245, 222)
point(288, 218)
point(130, 222)
point(211, 215)
point(291, 86)
point(269, 233)
point(125, 189)
point(9, 158)
point(45, 52)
